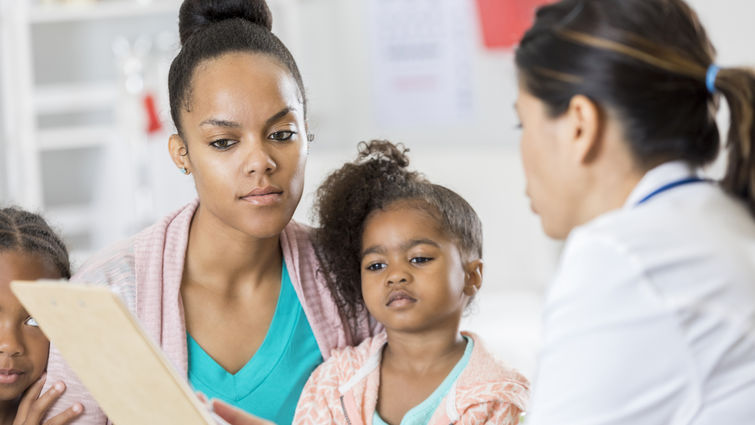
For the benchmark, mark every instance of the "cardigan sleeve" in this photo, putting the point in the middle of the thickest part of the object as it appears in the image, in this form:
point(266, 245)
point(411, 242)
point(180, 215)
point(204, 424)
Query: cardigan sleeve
point(58, 370)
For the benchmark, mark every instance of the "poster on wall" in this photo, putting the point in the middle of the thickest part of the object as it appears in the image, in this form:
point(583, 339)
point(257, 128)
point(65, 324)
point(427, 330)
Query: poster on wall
point(422, 61)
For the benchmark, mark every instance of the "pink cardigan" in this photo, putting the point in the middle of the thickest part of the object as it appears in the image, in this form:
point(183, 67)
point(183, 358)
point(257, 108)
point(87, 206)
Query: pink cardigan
point(146, 271)
point(344, 390)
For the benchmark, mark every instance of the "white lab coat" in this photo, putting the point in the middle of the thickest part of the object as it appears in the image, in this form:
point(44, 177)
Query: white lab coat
point(651, 316)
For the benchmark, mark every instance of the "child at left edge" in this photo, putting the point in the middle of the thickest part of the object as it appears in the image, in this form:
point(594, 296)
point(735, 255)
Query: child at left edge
point(408, 251)
point(29, 250)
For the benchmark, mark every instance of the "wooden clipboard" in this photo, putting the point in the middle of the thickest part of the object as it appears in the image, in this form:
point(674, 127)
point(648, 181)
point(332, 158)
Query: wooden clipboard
point(104, 344)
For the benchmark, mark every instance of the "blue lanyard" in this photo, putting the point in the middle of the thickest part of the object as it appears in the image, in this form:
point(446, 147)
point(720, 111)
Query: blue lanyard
point(669, 186)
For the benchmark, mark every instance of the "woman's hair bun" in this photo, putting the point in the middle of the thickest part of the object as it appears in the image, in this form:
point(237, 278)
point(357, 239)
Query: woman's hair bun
point(196, 15)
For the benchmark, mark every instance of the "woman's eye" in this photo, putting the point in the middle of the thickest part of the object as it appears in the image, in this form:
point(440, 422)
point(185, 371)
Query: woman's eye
point(223, 144)
point(420, 260)
point(375, 267)
point(282, 136)
point(31, 322)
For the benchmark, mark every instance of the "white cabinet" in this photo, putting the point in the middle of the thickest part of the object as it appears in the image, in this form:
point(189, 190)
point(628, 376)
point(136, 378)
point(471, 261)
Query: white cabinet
point(62, 97)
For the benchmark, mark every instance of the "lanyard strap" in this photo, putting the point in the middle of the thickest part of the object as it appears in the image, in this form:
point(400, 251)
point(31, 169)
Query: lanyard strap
point(670, 186)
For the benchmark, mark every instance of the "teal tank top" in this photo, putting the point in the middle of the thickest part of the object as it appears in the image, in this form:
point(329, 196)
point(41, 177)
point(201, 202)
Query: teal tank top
point(270, 384)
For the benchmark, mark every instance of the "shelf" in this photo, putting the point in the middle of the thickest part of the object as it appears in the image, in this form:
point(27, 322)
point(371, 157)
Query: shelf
point(51, 13)
point(74, 98)
point(72, 219)
point(73, 137)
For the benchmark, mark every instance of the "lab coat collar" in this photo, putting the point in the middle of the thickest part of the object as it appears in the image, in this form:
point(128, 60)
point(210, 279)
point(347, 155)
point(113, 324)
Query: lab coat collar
point(661, 175)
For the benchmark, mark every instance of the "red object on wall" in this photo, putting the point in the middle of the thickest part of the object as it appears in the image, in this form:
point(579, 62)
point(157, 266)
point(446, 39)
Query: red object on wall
point(153, 120)
point(504, 22)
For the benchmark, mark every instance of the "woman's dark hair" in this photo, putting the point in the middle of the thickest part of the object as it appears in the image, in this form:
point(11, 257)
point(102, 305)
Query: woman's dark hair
point(23, 231)
point(645, 61)
point(211, 28)
point(377, 178)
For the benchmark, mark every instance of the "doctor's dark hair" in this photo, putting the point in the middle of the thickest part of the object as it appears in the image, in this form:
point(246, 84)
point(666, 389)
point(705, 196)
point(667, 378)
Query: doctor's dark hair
point(376, 179)
point(645, 62)
point(211, 28)
point(29, 233)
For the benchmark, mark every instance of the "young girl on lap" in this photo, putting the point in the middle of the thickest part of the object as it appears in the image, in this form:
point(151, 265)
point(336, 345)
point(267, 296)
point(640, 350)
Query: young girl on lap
point(410, 253)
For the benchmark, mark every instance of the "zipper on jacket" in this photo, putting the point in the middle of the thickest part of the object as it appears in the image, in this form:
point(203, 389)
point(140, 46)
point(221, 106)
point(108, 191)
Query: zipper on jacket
point(345, 415)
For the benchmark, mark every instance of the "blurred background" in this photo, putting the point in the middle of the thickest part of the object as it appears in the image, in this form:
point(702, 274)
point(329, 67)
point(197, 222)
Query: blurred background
point(84, 120)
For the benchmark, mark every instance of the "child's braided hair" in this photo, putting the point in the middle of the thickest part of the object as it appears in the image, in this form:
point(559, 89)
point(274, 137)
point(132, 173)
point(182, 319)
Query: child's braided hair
point(28, 232)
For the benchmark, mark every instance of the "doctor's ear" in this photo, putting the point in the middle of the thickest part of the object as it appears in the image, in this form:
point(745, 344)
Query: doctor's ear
point(179, 153)
point(472, 277)
point(584, 121)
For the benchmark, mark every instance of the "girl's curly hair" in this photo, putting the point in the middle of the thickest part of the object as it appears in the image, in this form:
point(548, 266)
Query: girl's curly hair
point(377, 178)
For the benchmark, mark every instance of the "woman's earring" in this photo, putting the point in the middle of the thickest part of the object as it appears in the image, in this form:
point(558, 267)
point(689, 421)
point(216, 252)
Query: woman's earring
point(184, 170)
point(310, 137)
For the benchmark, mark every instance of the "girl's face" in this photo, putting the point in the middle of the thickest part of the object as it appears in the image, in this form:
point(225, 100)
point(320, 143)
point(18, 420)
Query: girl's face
point(23, 346)
point(413, 275)
point(245, 142)
point(547, 166)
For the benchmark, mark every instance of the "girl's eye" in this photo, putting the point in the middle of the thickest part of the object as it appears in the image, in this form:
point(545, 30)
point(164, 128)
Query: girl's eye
point(375, 267)
point(420, 260)
point(282, 136)
point(31, 322)
point(223, 144)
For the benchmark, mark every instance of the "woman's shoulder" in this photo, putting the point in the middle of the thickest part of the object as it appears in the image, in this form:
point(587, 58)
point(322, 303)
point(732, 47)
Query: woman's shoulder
point(113, 267)
point(118, 261)
point(298, 234)
point(114, 262)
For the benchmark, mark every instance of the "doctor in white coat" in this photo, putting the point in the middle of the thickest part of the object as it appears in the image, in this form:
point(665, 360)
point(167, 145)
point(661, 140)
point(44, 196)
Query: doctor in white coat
point(651, 316)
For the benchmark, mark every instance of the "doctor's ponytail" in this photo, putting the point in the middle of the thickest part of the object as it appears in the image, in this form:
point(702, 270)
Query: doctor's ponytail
point(737, 85)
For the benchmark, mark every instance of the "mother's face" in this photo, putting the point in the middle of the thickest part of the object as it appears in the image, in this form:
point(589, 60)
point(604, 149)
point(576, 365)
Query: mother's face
point(244, 140)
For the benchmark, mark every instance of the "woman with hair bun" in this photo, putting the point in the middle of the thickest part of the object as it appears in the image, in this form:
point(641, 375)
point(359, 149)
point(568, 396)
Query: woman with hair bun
point(651, 316)
point(228, 286)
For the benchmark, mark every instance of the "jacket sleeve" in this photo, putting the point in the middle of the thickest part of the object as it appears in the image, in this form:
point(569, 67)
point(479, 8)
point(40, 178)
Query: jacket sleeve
point(320, 401)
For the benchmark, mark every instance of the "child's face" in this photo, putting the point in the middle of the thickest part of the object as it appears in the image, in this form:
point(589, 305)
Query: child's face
point(23, 346)
point(413, 276)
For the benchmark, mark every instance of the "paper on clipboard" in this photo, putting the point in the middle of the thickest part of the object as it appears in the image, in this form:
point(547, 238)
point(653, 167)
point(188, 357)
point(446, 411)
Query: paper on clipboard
point(104, 344)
